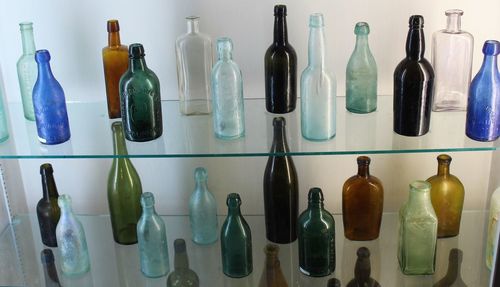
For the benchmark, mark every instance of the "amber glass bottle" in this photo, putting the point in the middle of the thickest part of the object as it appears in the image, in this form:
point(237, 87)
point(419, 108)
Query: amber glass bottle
point(447, 196)
point(272, 276)
point(362, 203)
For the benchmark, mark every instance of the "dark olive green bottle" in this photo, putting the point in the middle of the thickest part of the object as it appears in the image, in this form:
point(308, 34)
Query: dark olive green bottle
point(47, 210)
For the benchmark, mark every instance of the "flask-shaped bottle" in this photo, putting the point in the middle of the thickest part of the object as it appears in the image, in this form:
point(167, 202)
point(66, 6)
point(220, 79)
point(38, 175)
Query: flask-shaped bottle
point(316, 232)
point(281, 189)
point(452, 50)
point(47, 210)
point(361, 74)
point(124, 191)
point(227, 93)
point(182, 276)
point(27, 69)
point(280, 64)
point(140, 99)
point(483, 106)
point(49, 104)
point(413, 85)
point(115, 62)
point(317, 87)
point(272, 276)
point(493, 219)
point(49, 269)
point(71, 240)
point(362, 270)
point(236, 241)
point(203, 210)
point(453, 278)
point(152, 238)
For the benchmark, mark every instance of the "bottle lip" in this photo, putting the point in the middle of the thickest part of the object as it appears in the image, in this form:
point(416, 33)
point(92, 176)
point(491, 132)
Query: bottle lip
point(316, 20)
point(271, 249)
point(420, 185)
point(491, 48)
point(362, 28)
point(116, 125)
point(193, 18)
point(454, 12)
point(444, 158)
point(136, 51)
point(26, 25)
point(147, 199)
point(64, 200)
point(363, 160)
point(363, 252)
point(315, 195)
point(416, 21)
point(233, 200)
point(46, 168)
point(113, 26)
point(200, 174)
point(47, 256)
point(280, 10)
point(42, 56)
point(224, 44)
point(179, 245)
point(279, 122)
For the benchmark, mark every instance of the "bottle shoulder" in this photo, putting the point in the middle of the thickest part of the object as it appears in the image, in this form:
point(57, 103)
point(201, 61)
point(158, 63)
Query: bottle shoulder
point(280, 51)
point(414, 70)
point(226, 67)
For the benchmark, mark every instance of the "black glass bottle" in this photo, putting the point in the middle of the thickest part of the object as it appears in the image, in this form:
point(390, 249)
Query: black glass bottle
point(49, 269)
point(413, 85)
point(280, 68)
point(281, 190)
point(453, 277)
point(362, 270)
point(47, 210)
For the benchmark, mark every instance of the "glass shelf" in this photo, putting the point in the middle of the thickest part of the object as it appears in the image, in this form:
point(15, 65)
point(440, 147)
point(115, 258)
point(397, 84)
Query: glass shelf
point(114, 265)
point(192, 136)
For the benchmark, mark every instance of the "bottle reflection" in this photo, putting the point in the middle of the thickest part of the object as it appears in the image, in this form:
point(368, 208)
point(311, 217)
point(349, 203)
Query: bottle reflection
point(272, 276)
point(49, 269)
point(453, 278)
point(350, 262)
point(129, 271)
point(82, 281)
point(362, 270)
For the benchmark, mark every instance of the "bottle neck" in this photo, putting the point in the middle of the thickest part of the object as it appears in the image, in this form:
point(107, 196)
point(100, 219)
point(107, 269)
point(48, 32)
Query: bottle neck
point(181, 260)
point(234, 211)
point(361, 43)
point(453, 270)
point(149, 210)
point(272, 262)
point(114, 39)
point(193, 26)
point(28, 42)
point(415, 44)
point(137, 64)
point(225, 55)
point(315, 205)
point(363, 170)
point(44, 71)
point(316, 55)
point(49, 186)
point(443, 169)
point(280, 144)
point(66, 210)
point(362, 270)
point(490, 65)
point(201, 186)
point(119, 146)
point(453, 23)
point(280, 30)
point(419, 197)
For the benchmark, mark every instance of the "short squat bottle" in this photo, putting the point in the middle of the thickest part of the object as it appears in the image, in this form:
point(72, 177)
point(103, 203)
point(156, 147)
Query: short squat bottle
point(47, 210)
point(203, 210)
point(236, 241)
point(418, 225)
point(272, 276)
point(316, 232)
point(49, 104)
point(493, 219)
point(361, 74)
point(49, 269)
point(362, 270)
point(452, 50)
point(483, 108)
point(413, 85)
point(182, 276)
point(152, 238)
point(317, 87)
point(140, 99)
point(227, 94)
point(27, 70)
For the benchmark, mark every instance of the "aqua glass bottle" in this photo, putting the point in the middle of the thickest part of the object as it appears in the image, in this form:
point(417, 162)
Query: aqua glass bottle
point(227, 93)
point(236, 241)
point(203, 211)
point(182, 276)
point(4, 127)
point(317, 87)
point(152, 238)
point(361, 74)
point(71, 240)
point(418, 225)
point(27, 69)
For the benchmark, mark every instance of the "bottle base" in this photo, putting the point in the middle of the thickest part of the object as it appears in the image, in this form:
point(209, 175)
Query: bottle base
point(313, 139)
point(154, 275)
point(204, 242)
point(303, 271)
point(223, 137)
point(354, 111)
point(481, 139)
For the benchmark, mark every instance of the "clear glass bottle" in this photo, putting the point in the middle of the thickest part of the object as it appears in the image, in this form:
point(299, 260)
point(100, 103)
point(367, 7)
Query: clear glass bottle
point(203, 210)
point(418, 225)
point(227, 93)
point(182, 276)
point(362, 270)
point(452, 53)
point(49, 268)
point(194, 65)
point(361, 74)
point(27, 69)
point(47, 210)
point(317, 87)
point(493, 219)
point(272, 276)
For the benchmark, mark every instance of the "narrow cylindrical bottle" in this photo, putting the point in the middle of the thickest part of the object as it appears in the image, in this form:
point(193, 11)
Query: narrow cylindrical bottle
point(272, 276)
point(362, 270)
point(453, 277)
point(49, 104)
point(27, 69)
point(203, 210)
point(493, 219)
point(49, 269)
point(182, 276)
point(152, 238)
point(317, 87)
point(4, 126)
point(47, 210)
point(280, 64)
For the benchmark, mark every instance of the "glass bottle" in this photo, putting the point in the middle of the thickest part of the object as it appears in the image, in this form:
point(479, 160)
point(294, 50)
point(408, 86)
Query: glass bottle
point(361, 74)
point(483, 107)
point(49, 269)
point(71, 240)
point(413, 85)
point(124, 191)
point(27, 69)
point(447, 196)
point(140, 99)
point(495, 269)
point(236, 241)
point(227, 93)
point(182, 276)
point(203, 210)
point(4, 129)
point(115, 62)
point(316, 232)
point(317, 87)
point(452, 51)
point(493, 218)
point(49, 104)
point(194, 65)
point(453, 278)
point(362, 203)
point(362, 270)
point(47, 210)
point(417, 232)
point(280, 64)
point(152, 238)
point(333, 282)
point(281, 189)
point(272, 276)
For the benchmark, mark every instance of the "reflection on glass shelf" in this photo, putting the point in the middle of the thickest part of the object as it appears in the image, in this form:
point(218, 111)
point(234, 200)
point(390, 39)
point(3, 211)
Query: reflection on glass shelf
point(114, 265)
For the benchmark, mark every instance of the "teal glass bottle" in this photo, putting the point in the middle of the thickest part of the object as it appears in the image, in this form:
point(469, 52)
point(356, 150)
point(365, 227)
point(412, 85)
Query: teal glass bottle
point(317, 87)
point(27, 70)
point(4, 127)
point(418, 226)
point(361, 74)
point(236, 241)
point(182, 276)
point(203, 210)
point(316, 233)
point(152, 238)
point(71, 240)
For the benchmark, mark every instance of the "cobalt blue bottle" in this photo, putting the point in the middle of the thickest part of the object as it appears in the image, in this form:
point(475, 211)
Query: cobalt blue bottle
point(49, 103)
point(483, 107)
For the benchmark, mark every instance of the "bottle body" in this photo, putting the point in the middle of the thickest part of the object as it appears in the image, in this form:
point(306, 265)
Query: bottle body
point(272, 276)
point(27, 69)
point(203, 211)
point(182, 276)
point(47, 210)
point(493, 218)
point(4, 129)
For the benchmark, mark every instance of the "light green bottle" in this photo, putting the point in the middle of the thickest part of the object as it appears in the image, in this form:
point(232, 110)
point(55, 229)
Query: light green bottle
point(27, 71)
point(361, 74)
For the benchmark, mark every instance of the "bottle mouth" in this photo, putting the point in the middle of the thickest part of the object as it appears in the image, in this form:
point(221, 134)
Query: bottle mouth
point(147, 199)
point(113, 26)
point(444, 158)
point(224, 44)
point(316, 20)
point(280, 10)
point(362, 28)
point(193, 18)
point(26, 25)
point(136, 51)
point(42, 56)
point(200, 174)
point(64, 200)
point(454, 12)
point(416, 21)
point(272, 249)
point(233, 200)
point(420, 185)
point(315, 195)
point(363, 252)
point(46, 168)
point(117, 126)
point(363, 160)
point(491, 48)
point(179, 245)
